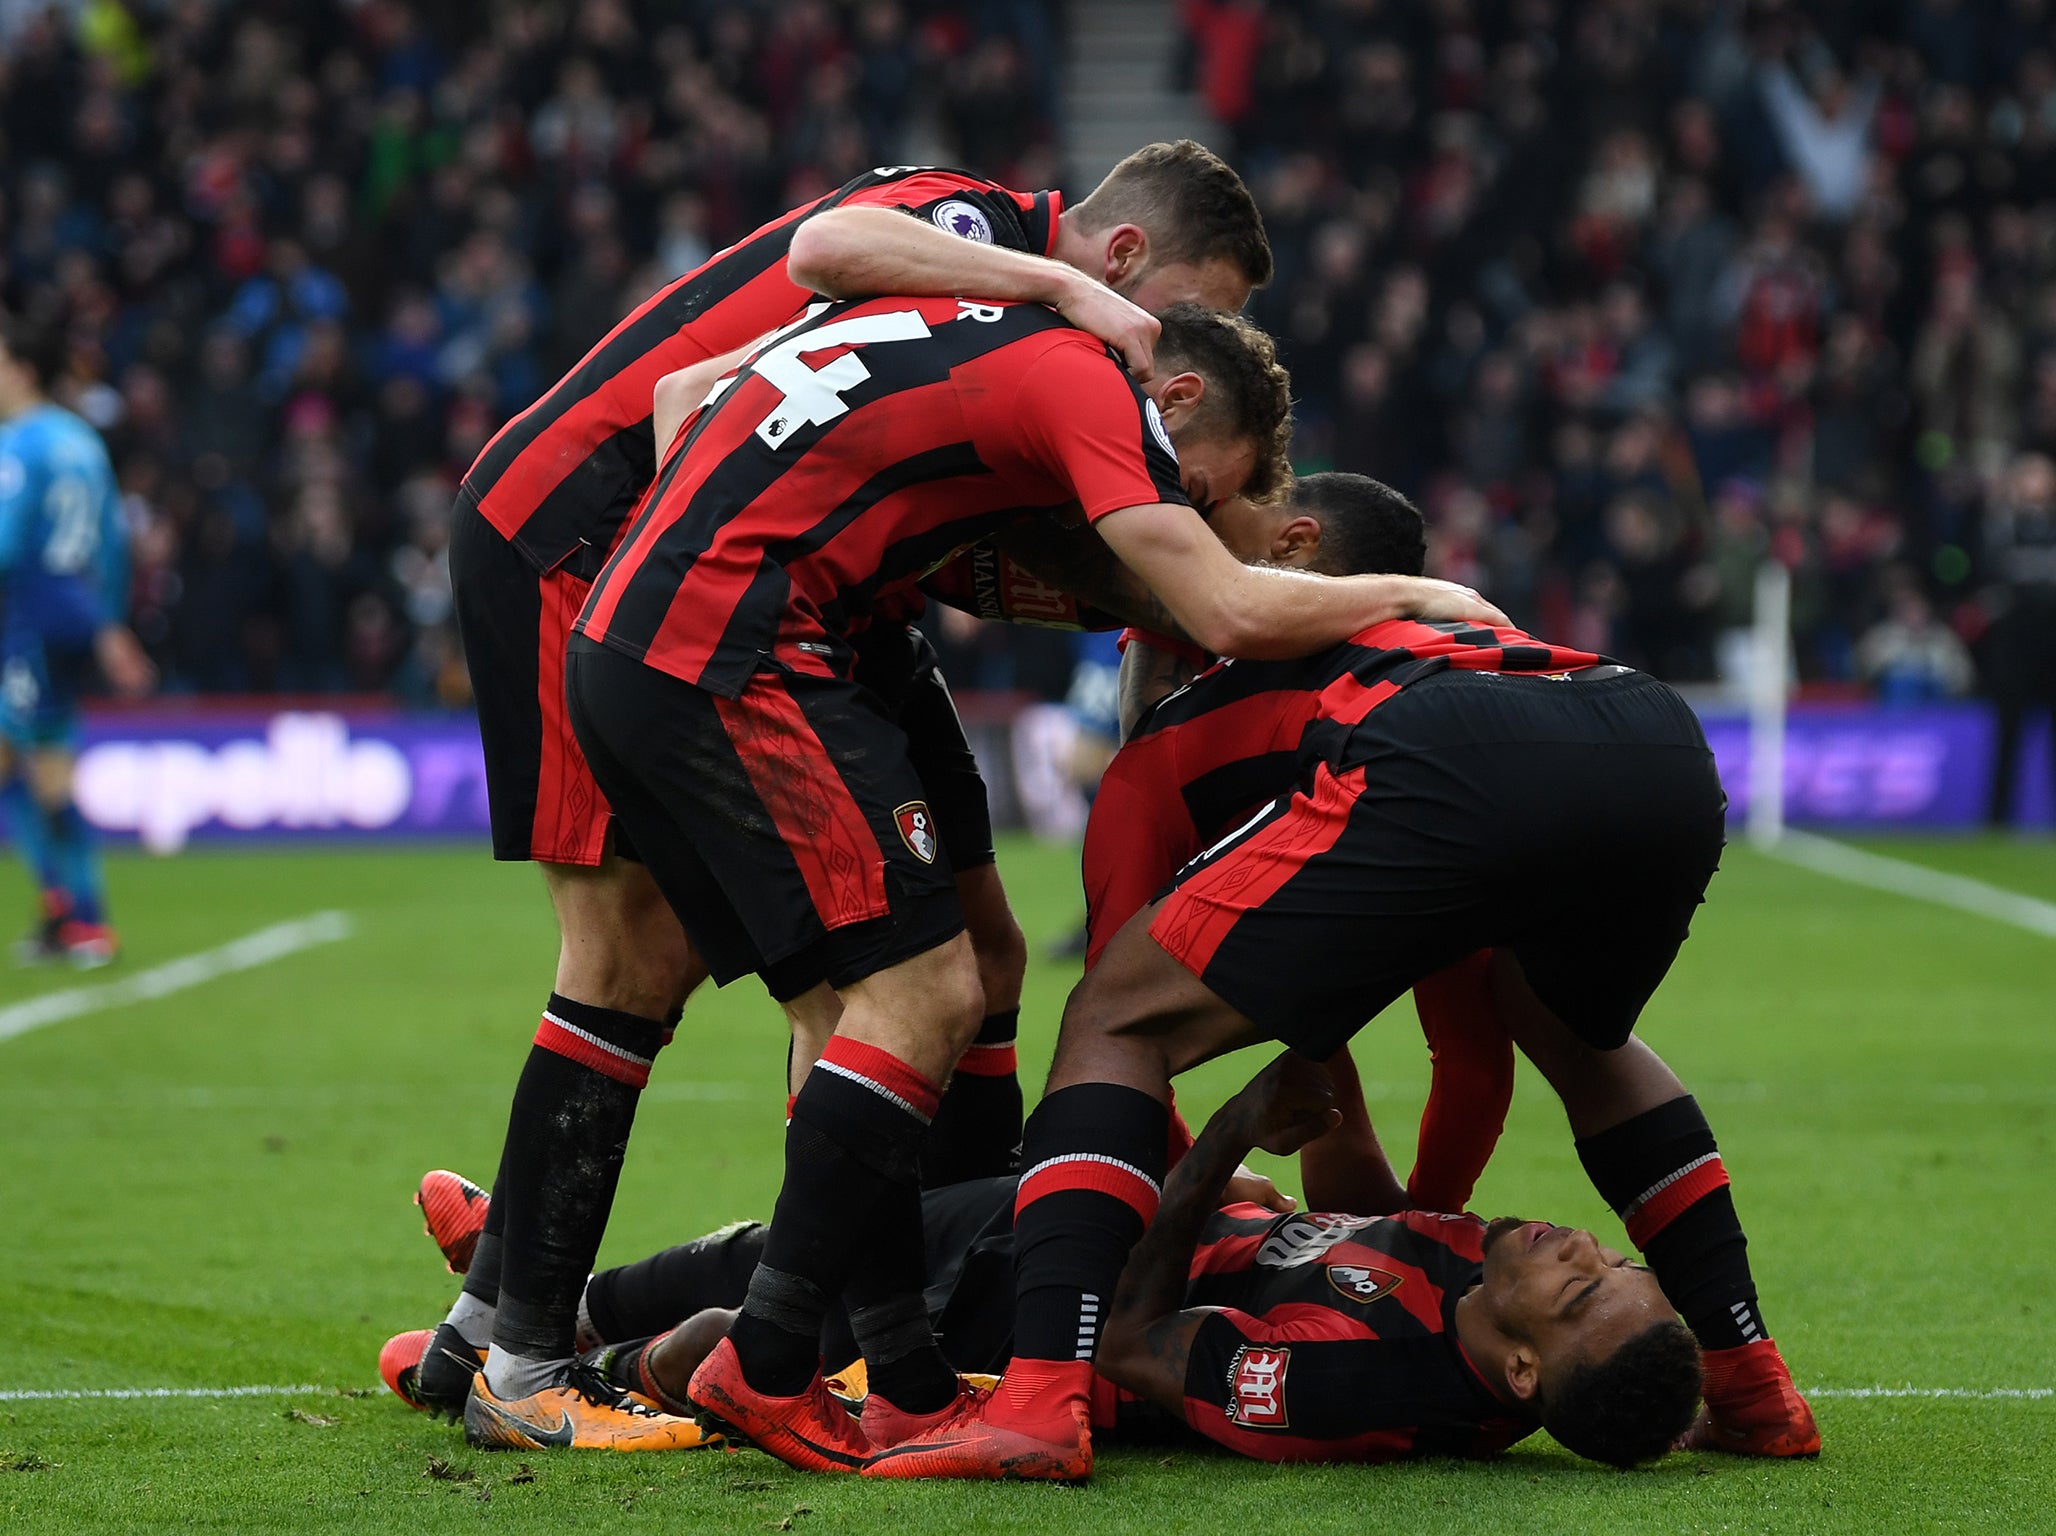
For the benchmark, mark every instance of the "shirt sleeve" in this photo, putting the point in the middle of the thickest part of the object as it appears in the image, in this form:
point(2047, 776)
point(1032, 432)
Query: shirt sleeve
point(1295, 1385)
point(14, 505)
point(986, 582)
point(1138, 836)
point(1087, 424)
point(959, 205)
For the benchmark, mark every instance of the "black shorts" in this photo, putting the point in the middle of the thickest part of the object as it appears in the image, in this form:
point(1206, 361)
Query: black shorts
point(897, 663)
point(1575, 823)
point(541, 795)
point(787, 828)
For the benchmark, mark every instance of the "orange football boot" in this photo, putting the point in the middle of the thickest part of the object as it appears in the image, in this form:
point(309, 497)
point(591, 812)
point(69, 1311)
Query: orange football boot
point(453, 1210)
point(400, 1359)
point(1752, 1408)
point(584, 1411)
point(812, 1431)
point(1041, 1430)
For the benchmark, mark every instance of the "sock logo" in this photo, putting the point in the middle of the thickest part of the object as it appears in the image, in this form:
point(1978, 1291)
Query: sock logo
point(917, 829)
point(1256, 1386)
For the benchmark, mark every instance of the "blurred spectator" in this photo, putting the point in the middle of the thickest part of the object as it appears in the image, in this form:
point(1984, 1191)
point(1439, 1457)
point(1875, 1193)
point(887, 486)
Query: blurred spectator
point(1910, 656)
point(1634, 297)
point(313, 255)
point(2020, 551)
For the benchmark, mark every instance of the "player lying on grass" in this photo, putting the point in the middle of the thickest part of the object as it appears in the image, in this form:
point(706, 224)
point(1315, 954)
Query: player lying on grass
point(537, 515)
point(1362, 1333)
point(709, 683)
point(1437, 791)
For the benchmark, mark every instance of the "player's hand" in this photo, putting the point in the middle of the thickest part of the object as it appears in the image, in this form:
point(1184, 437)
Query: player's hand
point(1444, 600)
point(127, 667)
point(1128, 328)
point(1287, 1105)
point(1252, 1188)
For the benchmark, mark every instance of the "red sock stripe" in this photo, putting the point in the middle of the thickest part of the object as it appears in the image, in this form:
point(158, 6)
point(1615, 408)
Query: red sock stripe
point(1093, 1172)
point(1671, 1197)
point(589, 1050)
point(883, 1073)
point(988, 1061)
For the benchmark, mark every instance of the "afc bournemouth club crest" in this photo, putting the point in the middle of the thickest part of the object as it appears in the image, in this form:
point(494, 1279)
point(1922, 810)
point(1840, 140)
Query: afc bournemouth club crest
point(1358, 1282)
point(1256, 1386)
point(917, 829)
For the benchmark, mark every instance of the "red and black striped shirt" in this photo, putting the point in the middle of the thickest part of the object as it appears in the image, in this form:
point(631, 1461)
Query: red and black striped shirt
point(1336, 1338)
point(560, 479)
point(1244, 732)
point(854, 453)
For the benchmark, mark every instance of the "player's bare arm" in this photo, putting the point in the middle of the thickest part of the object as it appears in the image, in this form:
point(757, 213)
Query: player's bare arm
point(1076, 560)
point(1268, 612)
point(679, 394)
point(848, 253)
point(1149, 1333)
point(1347, 1170)
point(1149, 672)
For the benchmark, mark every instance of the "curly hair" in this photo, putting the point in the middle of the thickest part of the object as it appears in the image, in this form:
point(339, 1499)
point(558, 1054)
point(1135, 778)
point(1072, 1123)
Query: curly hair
point(1632, 1406)
point(1191, 204)
point(1248, 392)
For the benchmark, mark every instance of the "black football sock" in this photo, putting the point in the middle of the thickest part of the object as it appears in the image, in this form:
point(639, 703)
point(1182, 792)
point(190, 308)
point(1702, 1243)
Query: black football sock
point(889, 1314)
point(1094, 1157)
point(977, 1131)
point(566, 1138)
point(1662, 1174)
point(663, 1290)
point(856, 1133)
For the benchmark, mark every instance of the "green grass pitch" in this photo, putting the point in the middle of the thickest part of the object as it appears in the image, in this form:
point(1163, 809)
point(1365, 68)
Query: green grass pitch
point(211, 1190)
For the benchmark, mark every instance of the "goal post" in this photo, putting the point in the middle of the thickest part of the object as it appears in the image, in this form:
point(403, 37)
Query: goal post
point(1770, 670)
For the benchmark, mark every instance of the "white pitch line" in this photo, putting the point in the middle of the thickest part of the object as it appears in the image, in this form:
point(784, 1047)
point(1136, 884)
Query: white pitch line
point(1825, 856)
point(246, 953)
point(125, 1394)
point(1978, 1394)
point(129, 1394)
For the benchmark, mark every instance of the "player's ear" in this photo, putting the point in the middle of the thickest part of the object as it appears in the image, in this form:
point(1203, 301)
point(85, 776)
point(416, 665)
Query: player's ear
point(1524, 1373)
point(1178, 398)
point(1127, 250)
point(1298, 543)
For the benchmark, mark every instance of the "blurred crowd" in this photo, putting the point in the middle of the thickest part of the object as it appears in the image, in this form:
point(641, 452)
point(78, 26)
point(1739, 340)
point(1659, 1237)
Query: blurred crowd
point(313, 252)
point(1631, 294)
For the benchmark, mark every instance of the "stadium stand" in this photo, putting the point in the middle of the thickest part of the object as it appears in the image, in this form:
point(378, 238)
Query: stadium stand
point(1631, 294)
point(1628, 294)
point(314, 253)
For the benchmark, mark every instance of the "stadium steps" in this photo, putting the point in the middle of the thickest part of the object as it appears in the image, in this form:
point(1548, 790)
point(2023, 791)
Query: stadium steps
point(1118, 85)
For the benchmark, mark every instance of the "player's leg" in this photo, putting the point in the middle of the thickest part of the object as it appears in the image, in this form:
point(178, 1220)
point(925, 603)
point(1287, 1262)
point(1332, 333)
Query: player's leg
point(73, 852)
point(977, 1130)
point(795, 829)
point(28, 835)
point(623, 971)
point(1629, 817)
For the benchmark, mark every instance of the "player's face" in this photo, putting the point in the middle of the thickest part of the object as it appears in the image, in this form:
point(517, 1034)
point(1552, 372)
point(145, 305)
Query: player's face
point(1216, 284)
point(1559, 1289)
point(1213, 471)
point(1247, 529)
